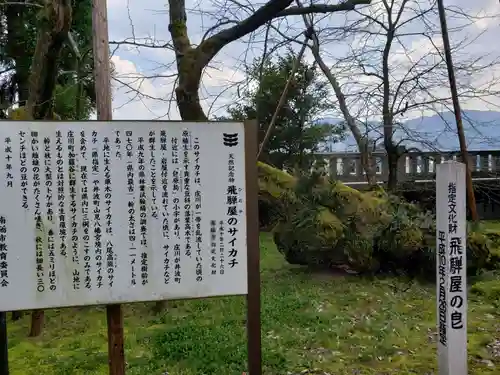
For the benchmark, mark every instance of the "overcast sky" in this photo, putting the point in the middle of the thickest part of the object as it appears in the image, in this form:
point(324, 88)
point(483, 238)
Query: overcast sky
point(151, 70)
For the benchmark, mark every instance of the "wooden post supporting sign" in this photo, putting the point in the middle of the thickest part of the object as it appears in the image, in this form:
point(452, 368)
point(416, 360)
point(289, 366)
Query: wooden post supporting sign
point(451, 268)
point(253, 251)
point(4, 351)
point(114, 314)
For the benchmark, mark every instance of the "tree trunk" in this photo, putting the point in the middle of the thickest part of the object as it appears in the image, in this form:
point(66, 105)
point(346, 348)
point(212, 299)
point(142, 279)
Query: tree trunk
point(52, 34)
point(15, 24)
point(37, 318)
point(387, 114)
point(15, 47)
point(392, 161)
point(16, 315)
point(362, 142)
point(188, 99)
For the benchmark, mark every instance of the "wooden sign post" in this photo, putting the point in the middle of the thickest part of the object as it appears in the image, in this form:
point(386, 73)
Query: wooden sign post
point(4, 356)
point(102, 74)
point(451, 268)
point(253, 249)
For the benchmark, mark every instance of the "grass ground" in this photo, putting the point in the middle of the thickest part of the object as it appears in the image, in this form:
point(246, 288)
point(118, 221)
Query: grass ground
point(341, 325)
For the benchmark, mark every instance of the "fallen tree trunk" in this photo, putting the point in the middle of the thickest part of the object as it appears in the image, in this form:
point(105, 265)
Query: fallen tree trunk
point(326, 224)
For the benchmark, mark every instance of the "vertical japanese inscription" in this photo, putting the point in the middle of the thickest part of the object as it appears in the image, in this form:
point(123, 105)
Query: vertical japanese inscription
point(456, 248)
point(39, 246)
point(111, 254)
point(4, 258)
point(141, 161)
point(73, 209)
point(61, 196)
point(154, 192)
point(213, 247)
point(222, 247)
point(35, 164)
point(108, 217)
point(84, 191)
point(186, 182)
point(49, 206)
point(197, 209)
point(165, 207)
point(176, 191)
point(23, 169)
point(232, 213)
point(52, 260)
point(153, 177)
point(49, 183)
point(118, 145)
point(9, 178)
point(442, 298)
point(143, 220)
point(132, 235)
point(96, 201)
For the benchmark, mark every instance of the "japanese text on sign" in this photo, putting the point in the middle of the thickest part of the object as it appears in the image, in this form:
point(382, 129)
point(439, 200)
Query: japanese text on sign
point(456, 266)
point(121, 212)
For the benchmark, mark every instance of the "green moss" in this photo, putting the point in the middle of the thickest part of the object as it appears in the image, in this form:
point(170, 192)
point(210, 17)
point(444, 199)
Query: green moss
point(335, 324)
point(488, 289)
point(273, 181)
point(326, 223)
point(20, 114)
point(178, 28)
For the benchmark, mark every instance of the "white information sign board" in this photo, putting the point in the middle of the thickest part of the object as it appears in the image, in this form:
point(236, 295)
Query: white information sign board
point(451, 268)
point(112, 212)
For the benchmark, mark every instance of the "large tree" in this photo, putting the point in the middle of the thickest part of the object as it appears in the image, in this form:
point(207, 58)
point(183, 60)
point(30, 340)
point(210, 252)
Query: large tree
point(271, 25)
point(73, 96)
point(298, 131)
point(50, 75)
point(192, 60)
point(395, 66)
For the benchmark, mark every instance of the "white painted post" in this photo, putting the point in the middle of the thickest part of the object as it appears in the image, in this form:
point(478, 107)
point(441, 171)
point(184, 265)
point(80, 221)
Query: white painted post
point(451, 268)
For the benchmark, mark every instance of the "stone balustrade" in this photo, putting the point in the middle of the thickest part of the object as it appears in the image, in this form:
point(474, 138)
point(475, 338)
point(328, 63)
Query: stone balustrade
point(414, 166)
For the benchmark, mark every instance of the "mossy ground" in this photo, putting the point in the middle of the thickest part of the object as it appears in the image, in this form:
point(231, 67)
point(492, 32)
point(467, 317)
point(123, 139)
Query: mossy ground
point(339, 324)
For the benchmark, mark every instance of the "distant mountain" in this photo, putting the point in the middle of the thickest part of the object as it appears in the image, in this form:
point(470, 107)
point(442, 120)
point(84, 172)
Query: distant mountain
point(438, 132)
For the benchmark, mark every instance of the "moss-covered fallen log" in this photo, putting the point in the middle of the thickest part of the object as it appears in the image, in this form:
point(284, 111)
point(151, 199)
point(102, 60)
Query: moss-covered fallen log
point(323, 223)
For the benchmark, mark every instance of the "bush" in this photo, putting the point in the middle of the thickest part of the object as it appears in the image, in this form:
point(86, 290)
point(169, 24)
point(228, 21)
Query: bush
point(323, 223)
